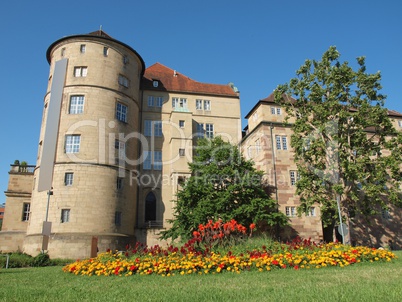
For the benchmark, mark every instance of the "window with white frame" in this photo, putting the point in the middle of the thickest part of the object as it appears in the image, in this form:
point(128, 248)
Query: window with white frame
point(290, 211)
point(400, 123)
point(293, 177)
point(68, 178)
point(123, 81)
point(105, 51)
point(83, 48)
point(121, 112)
point(72, 144)
point(276, 110)
point(281, 142)
point(76, 104)
point(65, 215)
point(311, 212)
point(207, 105)
point(80, 71)
point(26, 208)
point(181, 124)
point(179, 102)
point(198, 104)
point(150, 101)
point(120, 147)
point(209, 130)
point(157, 128)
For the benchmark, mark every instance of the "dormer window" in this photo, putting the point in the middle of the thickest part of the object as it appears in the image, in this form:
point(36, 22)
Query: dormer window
point(155, 83)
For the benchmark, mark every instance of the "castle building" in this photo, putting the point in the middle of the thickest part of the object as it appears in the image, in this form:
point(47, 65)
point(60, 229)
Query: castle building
point(266, 141)
point(125, 137)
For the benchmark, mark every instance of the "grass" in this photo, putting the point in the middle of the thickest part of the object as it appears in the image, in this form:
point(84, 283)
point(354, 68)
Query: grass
point(360, 282)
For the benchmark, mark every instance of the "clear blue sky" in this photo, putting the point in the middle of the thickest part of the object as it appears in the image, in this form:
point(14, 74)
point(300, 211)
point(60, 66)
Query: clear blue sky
point(255, 44)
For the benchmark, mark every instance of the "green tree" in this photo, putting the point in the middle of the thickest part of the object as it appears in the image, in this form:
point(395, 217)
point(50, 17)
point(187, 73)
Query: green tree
point(223, 185)
point(346, 148)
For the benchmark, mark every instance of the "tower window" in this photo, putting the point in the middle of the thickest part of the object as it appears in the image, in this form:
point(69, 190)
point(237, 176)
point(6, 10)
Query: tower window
point(76, 104)
point(105, 51)
point(121, 112)
point(80, 71)
point(123, 81)
point(25, 211)
point(73, 143)
point(68, 179)
point(65, 215)
point(83, 48)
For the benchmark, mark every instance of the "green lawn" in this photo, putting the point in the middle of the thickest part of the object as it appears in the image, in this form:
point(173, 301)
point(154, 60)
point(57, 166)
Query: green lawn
point(361, 282)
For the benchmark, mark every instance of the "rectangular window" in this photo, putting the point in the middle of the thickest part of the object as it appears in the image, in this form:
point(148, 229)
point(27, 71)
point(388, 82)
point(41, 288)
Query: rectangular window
point(123, 81)
point(148, 128)
point(209, 130)
point(72, 143)
point(290, 211)
point(157, 160)
point(120, 150)
point(150, 101)
point(119, 183)
point(157, 128)
point(257, 146)
point(276, 110)
point(83, 48)
point(400, 123)
point(121, 112)
point(175, 102)
point(65, 215)
point(181, 152)
point(293, 177)
point(281, 142)
point(147, 164)
point(207, 105)
point(105, 51)
point(152, 128)
point(198, 104)
point(80, 71)
point(76, 104)
point(158, 101)
point(125, 60)
point(311, 212)
point(117, 218)
point(200, 130)
point(68, 179)
point(26, 208)
point(181, 124)
point(63, 51)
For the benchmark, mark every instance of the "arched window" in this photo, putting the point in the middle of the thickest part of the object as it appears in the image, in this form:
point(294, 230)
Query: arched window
point(150, 207)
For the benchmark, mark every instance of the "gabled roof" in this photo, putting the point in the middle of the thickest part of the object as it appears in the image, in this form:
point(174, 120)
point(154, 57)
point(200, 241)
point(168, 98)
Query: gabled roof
point(171, 80)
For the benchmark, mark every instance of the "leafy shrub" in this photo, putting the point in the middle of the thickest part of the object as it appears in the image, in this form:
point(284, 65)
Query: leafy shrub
point(41, 259)
point(17, 260)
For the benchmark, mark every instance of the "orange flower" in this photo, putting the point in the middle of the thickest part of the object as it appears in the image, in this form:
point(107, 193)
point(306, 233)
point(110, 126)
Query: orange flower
point(252, 226)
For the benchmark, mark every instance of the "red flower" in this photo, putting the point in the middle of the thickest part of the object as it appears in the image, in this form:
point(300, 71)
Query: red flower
point(252, 226)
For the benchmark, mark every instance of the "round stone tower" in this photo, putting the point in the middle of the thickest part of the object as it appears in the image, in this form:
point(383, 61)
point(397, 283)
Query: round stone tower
point(92, 203)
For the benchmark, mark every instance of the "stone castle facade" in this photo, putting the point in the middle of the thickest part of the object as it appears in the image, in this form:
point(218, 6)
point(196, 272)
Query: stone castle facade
point(125, 138)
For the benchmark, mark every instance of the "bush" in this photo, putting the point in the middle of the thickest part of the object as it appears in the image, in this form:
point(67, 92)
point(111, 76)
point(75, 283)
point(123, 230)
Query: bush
point(17, 260)
point(41, 259)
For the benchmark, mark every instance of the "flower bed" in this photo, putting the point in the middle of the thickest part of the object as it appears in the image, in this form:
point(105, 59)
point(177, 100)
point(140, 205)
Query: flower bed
point(174, 261)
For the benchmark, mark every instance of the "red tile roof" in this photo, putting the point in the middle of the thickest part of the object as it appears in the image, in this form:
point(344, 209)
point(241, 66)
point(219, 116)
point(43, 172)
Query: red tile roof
point(170, 80)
